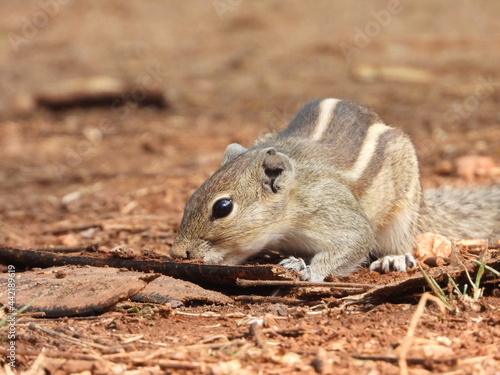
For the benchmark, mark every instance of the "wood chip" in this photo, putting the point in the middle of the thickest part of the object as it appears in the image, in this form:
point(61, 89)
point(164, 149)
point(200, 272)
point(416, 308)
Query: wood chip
point(474, 246)
point(165, 289)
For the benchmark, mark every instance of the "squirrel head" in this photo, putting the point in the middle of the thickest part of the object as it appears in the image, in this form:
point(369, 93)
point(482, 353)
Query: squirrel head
point(239, 210)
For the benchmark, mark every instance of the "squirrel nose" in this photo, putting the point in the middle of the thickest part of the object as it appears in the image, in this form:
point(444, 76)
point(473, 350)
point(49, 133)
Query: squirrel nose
point(179, 251)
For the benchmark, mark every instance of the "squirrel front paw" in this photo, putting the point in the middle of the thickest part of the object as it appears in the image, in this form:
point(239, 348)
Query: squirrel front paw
point(390, 263)
point(297, 264)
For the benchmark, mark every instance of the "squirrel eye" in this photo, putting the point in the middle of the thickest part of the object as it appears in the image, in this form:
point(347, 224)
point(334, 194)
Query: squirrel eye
point(222, 208)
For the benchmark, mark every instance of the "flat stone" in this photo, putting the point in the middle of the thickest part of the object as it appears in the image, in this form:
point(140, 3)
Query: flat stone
point(73, 290)
point(167, 289)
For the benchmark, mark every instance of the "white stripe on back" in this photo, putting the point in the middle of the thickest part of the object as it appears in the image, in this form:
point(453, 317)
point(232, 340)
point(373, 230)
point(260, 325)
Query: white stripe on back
point(326, 108)
point(367, 149)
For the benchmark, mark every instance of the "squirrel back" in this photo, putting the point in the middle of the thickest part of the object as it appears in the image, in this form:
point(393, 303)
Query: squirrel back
point(377, 162)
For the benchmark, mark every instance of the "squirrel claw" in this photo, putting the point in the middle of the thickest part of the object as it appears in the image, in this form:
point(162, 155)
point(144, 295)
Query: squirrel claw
point(297, 264)
point(390, 263)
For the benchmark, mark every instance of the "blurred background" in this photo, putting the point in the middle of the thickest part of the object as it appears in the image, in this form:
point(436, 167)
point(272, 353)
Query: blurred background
point(112, 113)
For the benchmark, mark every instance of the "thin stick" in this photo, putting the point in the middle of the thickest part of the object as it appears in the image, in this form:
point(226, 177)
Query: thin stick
point(75, 249)
point(217, 345)
point(143, 358)
point(80, 228)
point(290, 332)
point(270, 299)
point(256, 331)
point(412, 361)
point(69, 338)
point(37, 366)
point(36, 353)
point(219, 274)
point(296, 283)
point(168, 363)
point(408, 340)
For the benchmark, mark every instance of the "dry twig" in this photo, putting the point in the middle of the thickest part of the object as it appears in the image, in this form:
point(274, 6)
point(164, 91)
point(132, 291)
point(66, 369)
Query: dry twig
point(271, 299)
point(49, 354)
point(75, 249)
point(70, 339)
point(256, 332)
point(219, 274)
point(295, 283)
point(407, 341)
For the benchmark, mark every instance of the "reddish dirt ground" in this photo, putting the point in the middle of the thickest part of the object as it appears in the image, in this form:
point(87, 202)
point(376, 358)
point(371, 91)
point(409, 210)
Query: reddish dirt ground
point(230, 71)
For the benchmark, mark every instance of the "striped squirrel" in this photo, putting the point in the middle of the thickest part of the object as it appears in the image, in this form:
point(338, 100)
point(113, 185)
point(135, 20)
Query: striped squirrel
point(336, 187)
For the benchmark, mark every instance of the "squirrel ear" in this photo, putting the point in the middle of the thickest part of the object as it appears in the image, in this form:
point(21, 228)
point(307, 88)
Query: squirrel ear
point(232, 151)
point(277, 168)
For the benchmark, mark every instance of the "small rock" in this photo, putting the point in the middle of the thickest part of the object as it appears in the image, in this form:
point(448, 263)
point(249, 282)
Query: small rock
point(321, 363)
point(432, 245)
point(227, 368)
point(471, 166)
point(289, 359)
